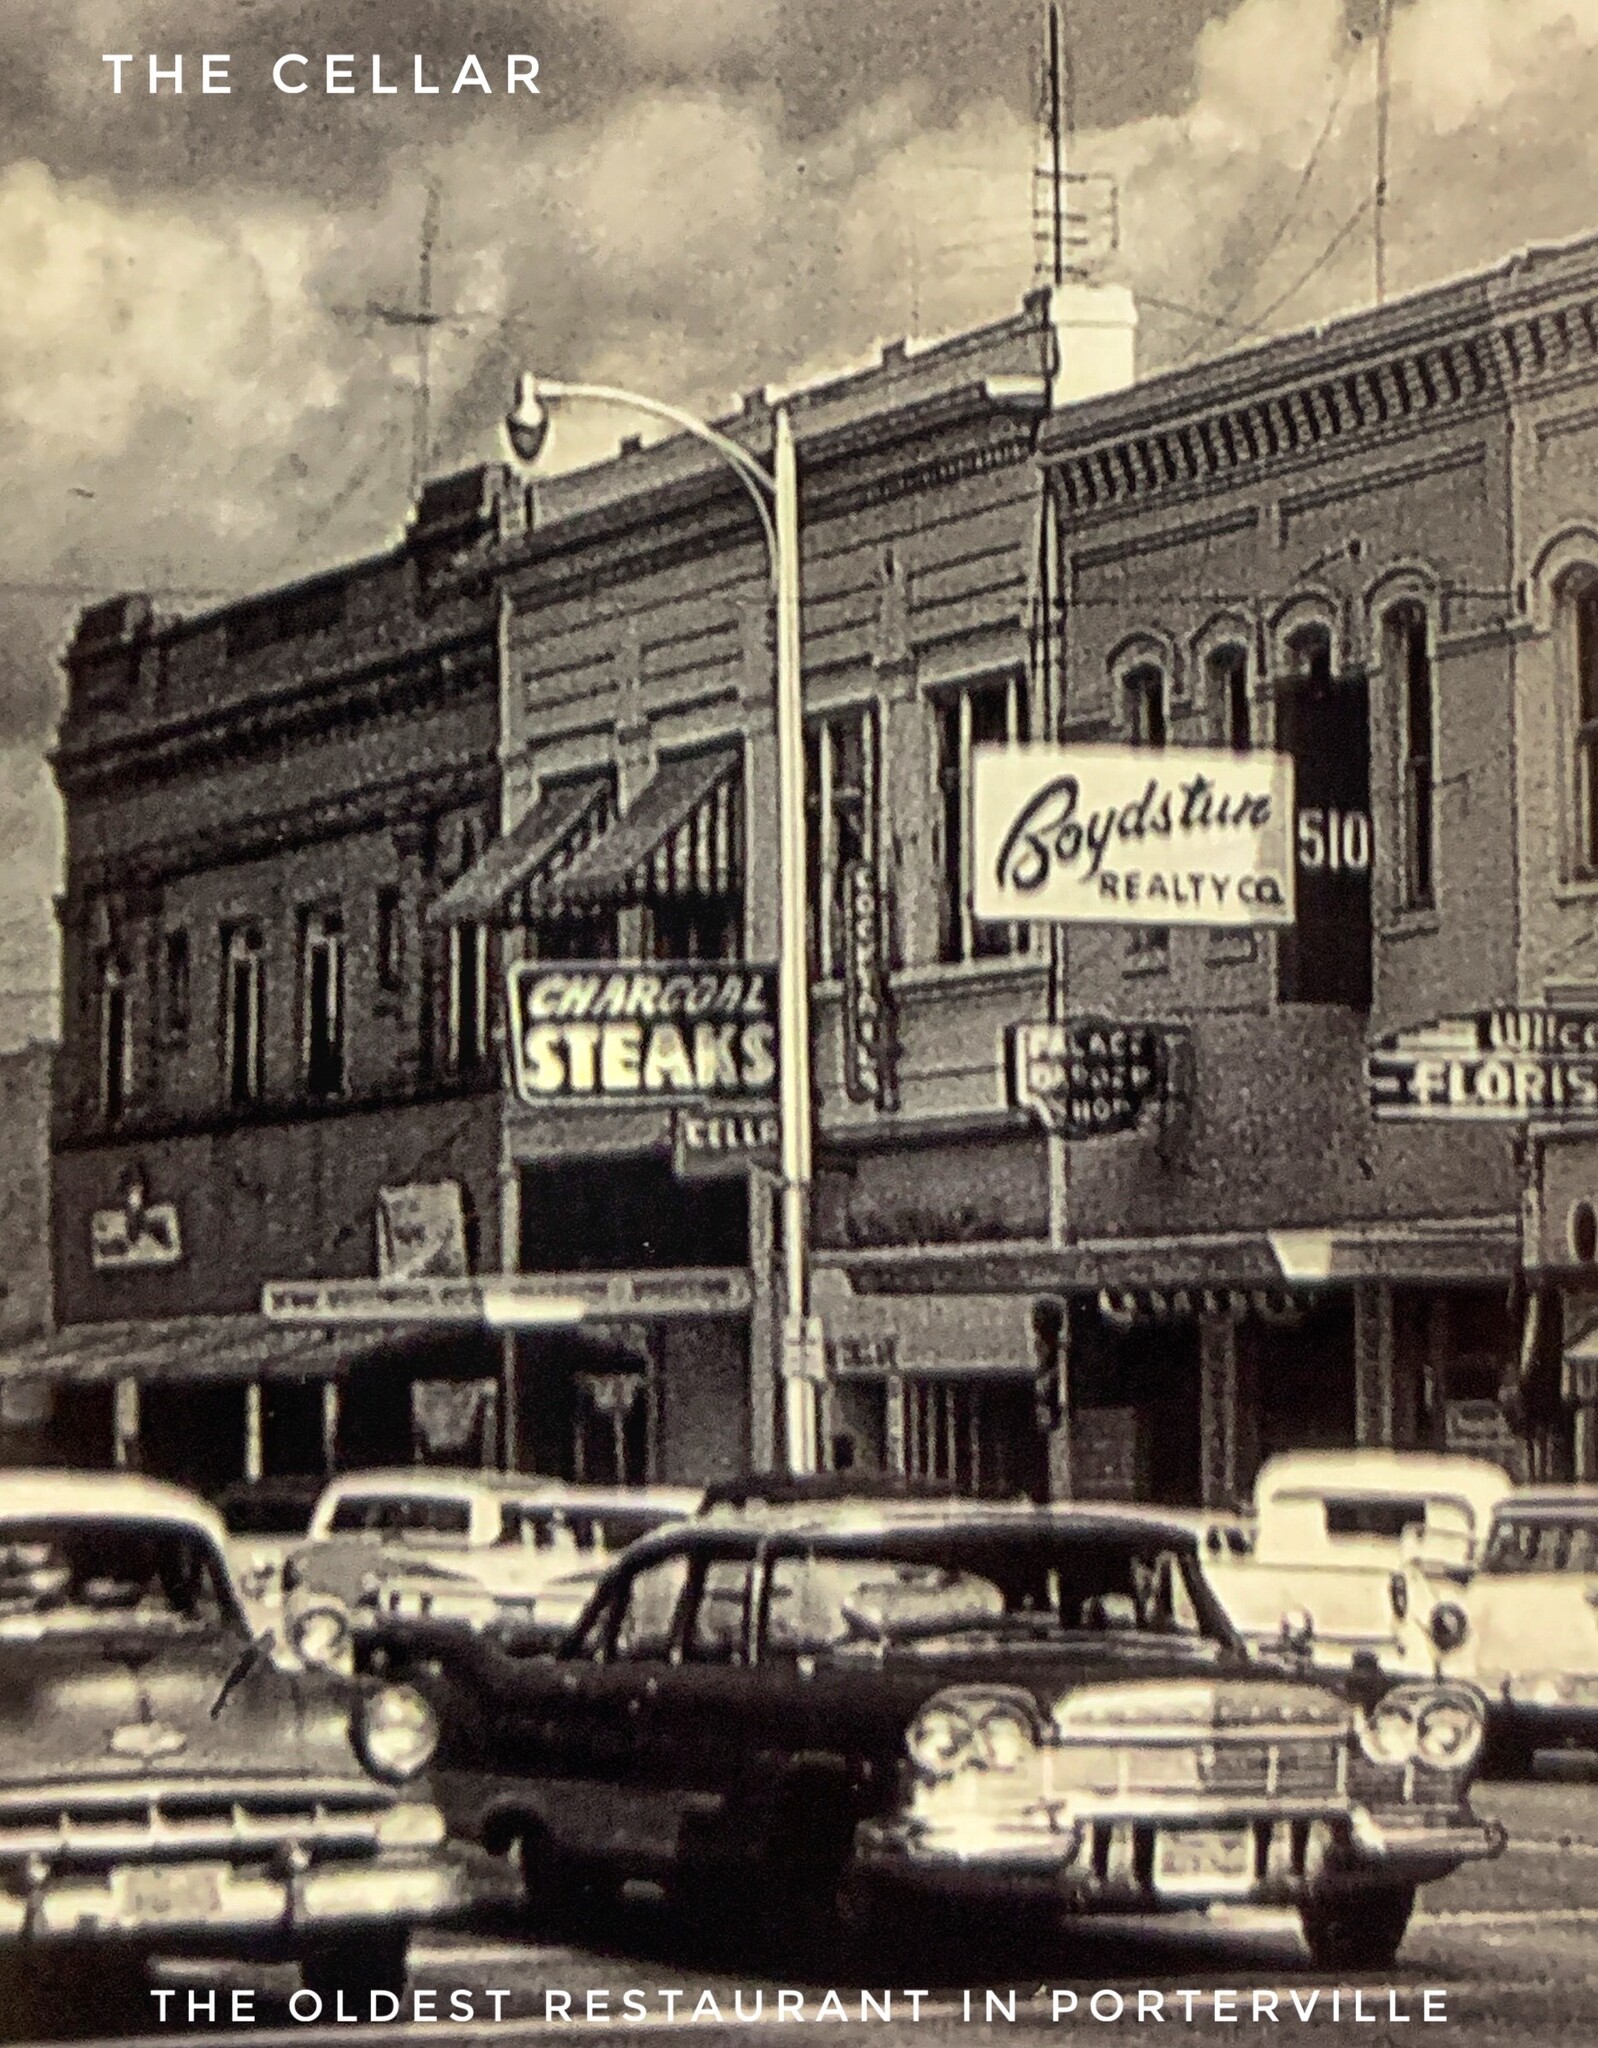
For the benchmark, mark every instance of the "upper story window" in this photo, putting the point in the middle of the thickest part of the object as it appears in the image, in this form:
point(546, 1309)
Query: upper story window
point(116, 1041)
point(693, 928)
point(1581, 609)
point(1407, 658)
point(840, 824)
point(1309, 655)
point(322, 983)
point(1227, 669)
point(243, 1003)
point(388, 939)
point(468, 998)
point(1146, 722)
point(991, 713)
point(175, 994)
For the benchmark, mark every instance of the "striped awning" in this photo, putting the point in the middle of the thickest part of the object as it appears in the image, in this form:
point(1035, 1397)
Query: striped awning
point(682, 838)
point(565, 818)
point(195, 1348)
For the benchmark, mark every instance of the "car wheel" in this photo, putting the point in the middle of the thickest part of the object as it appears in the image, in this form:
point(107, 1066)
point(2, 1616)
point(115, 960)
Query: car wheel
point(357, 1965)
point(103, 1990)
point(558, 1890)
point(1358, 1930)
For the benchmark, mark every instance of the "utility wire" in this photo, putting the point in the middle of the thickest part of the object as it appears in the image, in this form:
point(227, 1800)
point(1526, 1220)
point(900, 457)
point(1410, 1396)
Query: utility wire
point(1321, 260)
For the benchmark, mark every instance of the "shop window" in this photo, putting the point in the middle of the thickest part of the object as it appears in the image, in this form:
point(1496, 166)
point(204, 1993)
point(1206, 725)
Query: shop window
point(977, 1436)
point(1581, 610)
point(116, 1042)
point(1407, 658)
point(243, 994)
point(993, 713)
point(175, 997)
point(1227, 670)
point(388, 937)
point(840, 824)
point(468, 998)
point(322, 979)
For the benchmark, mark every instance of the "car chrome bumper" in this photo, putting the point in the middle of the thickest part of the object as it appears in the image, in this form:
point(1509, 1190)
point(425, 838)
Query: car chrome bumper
point(179, 1901)
point(1096, 1861)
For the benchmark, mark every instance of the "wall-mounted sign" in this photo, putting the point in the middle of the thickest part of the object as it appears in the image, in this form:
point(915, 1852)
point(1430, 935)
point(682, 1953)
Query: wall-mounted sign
point(1505, 1066)
point(712, 1143)
point(137, 1233)
point(868, 1022)
point(421, 1230)
point(512, 1301)
point(1128, 835)
point(1091, 1077)
point(670, 1031)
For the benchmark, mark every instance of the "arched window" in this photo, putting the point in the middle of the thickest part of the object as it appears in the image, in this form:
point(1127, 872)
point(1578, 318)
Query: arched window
point(1227, 674)
point(1579, 607)
point(1406, 656)
point(116, 1041)
point(1146, 722)
point(1309, 653)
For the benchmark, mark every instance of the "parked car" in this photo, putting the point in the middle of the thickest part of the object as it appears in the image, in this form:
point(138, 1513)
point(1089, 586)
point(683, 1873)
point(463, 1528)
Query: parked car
point(266, 1519)
point(1527, 1627)
point(869, 1704)
point(1343, 1547)
point(539, 1576)
point(165, 1785)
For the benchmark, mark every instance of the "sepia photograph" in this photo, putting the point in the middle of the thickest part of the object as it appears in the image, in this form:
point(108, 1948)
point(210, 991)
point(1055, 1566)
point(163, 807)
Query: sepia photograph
point(798, 1021)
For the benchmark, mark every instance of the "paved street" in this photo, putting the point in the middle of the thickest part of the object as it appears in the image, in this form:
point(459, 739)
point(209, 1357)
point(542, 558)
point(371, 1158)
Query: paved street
point(1510, 1948)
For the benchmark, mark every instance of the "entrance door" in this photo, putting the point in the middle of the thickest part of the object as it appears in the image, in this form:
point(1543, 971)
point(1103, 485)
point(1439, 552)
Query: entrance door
point(193, 1435)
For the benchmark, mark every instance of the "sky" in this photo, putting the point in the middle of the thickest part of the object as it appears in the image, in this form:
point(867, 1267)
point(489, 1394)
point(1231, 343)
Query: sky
point(197, 400)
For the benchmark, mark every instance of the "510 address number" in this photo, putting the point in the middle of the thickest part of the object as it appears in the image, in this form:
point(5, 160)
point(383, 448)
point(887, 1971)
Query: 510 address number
point(1334, 842)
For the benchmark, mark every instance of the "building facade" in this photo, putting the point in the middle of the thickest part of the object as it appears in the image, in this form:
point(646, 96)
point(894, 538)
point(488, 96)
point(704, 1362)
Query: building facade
point(267, 1057)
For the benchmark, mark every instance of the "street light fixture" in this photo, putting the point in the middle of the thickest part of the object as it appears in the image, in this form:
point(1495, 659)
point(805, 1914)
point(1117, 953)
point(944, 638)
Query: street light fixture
point(774, 493)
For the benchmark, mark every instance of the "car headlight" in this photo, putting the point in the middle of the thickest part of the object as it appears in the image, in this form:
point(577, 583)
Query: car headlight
point(1387, 1733)
point(1448, 1733)
point(1004, 1739)
point(396, 1732)
point(320, 1637)
point(1448, 1625)
point(971, 1734)
point(939, 1740)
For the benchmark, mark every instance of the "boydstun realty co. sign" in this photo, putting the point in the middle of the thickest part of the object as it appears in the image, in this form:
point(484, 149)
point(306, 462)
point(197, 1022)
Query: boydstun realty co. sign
point(598, 1031)
point(1125, 835)
point(1511, 1065)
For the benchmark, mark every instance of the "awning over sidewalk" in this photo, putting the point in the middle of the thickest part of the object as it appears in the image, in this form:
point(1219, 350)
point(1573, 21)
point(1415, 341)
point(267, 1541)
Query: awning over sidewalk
point(1464, 1251)
point(561, 823)
point(682, 837)
point(199, 1348)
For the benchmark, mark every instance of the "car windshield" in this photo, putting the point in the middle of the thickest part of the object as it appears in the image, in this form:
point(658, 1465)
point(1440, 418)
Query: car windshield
point(266, 1514)
point(63, 1577)
point(1031, 1588)
point(401, 1514)
point(1537, 1543)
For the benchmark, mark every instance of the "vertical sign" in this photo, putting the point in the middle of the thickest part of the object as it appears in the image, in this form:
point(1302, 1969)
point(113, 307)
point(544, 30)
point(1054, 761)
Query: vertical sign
point(1324, 723)
point(867, 1014)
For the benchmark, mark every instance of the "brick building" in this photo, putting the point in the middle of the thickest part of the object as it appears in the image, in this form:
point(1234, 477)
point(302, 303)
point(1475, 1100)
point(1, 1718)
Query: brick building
point(264, 1049)
point(1375, 547)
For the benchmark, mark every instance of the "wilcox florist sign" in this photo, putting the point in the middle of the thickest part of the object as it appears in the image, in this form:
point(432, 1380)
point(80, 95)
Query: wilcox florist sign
point(669, 1032)
point(1129, 835)
point(1509, 1065)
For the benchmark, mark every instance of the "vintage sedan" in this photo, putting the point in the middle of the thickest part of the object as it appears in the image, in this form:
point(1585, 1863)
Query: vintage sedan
point(863, 1705)
point(165, 1785)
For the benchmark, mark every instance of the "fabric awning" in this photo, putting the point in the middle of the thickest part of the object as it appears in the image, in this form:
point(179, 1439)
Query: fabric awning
point(561, 822)
point(683, 837)
point(199, 1348)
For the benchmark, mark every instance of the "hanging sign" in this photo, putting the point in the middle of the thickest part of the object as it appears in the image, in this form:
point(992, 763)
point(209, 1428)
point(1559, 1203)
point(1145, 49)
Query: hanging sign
point(1501, 1066)
point(1091, 1077)
point(1131, 835)
point(137, 1233)
point(672, 1031)
point(714, 1143)
point(868, 1033)
point(421, 1229)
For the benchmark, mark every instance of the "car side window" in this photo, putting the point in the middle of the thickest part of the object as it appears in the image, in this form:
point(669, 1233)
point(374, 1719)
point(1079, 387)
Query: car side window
point(805, 1599)
point(649, 1610)
point(716, 1634)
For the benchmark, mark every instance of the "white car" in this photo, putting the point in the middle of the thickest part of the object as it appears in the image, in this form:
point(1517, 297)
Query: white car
point(1357, 1551)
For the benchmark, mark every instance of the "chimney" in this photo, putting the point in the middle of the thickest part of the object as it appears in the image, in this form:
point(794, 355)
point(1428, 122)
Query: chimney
point(1095, 339)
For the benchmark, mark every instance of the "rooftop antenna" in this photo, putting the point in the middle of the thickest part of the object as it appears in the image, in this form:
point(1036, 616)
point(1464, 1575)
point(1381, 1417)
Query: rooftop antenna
point(1074, 213)
point(423, 318)
point(1384, 85)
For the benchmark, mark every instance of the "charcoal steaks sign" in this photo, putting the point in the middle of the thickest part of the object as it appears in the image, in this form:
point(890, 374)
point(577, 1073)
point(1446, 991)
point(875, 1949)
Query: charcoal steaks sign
point(668, 1032)
point(1123, 835)
point(1089, 1078)
point(1509, 1065)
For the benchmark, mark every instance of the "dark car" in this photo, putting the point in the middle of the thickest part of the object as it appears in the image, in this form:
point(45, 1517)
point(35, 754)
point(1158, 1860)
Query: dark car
point(165, 1786)
point(869, 1701)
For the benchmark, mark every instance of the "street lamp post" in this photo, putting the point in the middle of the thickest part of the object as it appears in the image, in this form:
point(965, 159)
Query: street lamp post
point(775, 494)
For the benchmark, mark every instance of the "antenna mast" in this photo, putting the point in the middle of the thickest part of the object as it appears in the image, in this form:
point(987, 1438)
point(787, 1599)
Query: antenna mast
point(422, 422)
point(1384, 25)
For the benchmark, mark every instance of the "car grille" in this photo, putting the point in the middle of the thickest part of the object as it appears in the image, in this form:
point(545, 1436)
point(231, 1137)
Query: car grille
point(1310, 1768)
point(78, 1825)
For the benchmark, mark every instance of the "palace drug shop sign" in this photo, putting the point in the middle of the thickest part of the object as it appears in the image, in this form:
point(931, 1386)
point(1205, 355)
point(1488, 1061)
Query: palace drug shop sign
point(1509, 1065)
point(670, 1032)
point(1089, 1078)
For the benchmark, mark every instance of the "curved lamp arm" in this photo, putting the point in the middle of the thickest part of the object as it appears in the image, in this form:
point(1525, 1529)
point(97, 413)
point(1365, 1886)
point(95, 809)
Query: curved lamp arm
point(756, 479)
